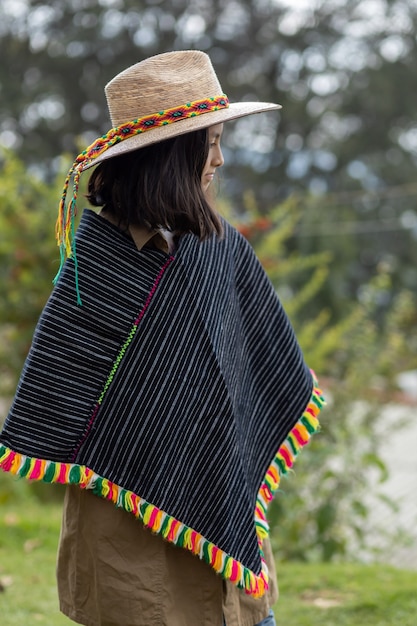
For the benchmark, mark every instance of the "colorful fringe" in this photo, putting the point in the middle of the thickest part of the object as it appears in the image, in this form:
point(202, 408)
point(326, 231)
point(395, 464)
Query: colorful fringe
point(163, 524)
point(65, 223)
point(284, 460)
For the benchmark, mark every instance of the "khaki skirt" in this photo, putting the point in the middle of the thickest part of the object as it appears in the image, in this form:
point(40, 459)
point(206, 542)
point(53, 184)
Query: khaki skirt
point(112, 571)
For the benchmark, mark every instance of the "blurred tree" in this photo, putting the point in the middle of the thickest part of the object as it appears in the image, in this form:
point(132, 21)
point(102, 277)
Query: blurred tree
point(343, 70)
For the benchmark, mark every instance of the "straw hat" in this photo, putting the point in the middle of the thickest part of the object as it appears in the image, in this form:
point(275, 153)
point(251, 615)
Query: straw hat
point(168, 83)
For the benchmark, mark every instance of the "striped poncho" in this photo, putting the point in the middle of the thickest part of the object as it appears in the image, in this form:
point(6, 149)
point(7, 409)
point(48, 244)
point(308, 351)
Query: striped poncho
point(177, 390)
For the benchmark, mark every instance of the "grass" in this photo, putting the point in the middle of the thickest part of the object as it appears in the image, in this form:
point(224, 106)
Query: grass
point(345, 594)
point(29, 531)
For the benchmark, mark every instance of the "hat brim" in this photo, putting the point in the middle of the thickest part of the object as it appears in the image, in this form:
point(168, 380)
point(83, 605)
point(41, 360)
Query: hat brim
point(234, 111)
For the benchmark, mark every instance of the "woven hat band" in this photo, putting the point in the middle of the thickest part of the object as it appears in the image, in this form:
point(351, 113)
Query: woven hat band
point(148, 122)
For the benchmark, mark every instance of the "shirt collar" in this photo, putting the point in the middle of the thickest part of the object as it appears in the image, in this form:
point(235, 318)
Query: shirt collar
point(142, 235)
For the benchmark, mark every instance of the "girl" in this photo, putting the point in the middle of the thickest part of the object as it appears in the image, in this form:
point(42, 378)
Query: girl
point(164, 386)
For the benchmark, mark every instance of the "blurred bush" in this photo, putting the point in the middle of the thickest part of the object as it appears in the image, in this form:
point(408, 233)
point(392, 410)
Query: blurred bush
point(28, 261)
point(323, 512)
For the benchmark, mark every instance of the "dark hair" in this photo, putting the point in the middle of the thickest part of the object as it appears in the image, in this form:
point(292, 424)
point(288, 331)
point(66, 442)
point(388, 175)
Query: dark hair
point(158, 186)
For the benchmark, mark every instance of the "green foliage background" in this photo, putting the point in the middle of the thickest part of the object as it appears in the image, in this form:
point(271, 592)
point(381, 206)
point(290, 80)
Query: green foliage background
point(344, 71)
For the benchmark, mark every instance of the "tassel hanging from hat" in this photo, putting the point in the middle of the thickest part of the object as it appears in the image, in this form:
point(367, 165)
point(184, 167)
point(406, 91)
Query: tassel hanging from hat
point(65, 225)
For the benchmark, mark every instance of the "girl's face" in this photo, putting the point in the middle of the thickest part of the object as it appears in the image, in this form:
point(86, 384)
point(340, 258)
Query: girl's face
point(215, 156)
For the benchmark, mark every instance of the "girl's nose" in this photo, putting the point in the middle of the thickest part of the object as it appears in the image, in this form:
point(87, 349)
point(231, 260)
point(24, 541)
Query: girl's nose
point(218, 159)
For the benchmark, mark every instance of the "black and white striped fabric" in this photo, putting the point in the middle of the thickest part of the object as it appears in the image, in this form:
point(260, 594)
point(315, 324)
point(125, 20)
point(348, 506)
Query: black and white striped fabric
point(190, 412)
